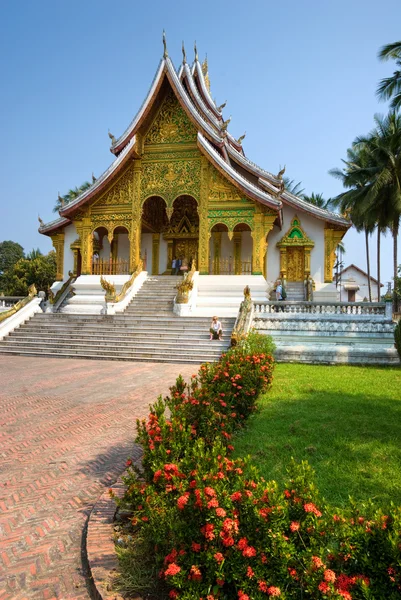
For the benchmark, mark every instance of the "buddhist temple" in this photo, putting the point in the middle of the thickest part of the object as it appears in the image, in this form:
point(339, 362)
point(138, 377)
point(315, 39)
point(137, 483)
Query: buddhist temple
point(181, 186)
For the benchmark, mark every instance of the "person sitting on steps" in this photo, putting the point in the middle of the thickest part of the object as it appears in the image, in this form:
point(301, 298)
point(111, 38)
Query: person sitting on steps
point(216, 329)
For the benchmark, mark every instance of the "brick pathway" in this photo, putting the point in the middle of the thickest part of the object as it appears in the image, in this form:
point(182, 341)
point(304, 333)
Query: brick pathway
point(66, 429)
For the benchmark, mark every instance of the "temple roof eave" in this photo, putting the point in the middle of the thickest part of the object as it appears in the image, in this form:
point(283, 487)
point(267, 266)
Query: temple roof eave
point(316, 211)
point(53, 226)
point(197, 68)
point(236, 178)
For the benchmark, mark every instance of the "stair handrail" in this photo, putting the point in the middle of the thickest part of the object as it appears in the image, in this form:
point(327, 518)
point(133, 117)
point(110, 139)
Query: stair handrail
point(111, 294)
point(56, 298)
point(32, 292)
point(244, 318)
point(185, 286)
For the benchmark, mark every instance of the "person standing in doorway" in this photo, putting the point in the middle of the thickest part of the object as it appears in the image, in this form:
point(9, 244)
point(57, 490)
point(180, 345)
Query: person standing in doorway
point(173, 266)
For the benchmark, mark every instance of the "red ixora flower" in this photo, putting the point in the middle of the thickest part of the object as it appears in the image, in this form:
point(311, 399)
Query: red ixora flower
point(218, 557)
point(294, 526)
point(311, 508)
point(195, 573)
point(242, 596)
point(196, 547)
point(172, 570)
point(329, 576)
point(273, 591)
point(324, 587)
point(182, 501)
point(220, 512)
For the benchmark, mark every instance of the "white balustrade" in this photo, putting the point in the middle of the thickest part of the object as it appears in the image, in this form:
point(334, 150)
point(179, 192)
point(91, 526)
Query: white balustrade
point(357, 309)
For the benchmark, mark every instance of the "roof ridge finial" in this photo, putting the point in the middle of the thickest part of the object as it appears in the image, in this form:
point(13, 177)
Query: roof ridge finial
point(240, 139)
point(220, 108)
point(184, 56)
point(111, 136)
point(196, 52)
point(165, 53)
point(61, 200)
point(93, 178)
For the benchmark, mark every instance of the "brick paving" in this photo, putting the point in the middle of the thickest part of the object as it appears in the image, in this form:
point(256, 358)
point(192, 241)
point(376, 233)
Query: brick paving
point(66, 429)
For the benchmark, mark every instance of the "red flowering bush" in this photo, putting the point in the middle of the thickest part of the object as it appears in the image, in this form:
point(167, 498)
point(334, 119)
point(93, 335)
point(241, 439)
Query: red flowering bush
point(220, 532)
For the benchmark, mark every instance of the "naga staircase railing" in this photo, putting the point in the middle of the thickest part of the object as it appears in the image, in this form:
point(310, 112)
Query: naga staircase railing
point(32, 292)
point(111, 294)
point(244, 318)
point(58, 297)
point(185, 286)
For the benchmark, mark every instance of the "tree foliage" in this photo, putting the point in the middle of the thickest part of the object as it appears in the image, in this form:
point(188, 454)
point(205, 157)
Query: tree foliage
point(71, 195)
point(40, 270)
point(10, 253)
point(390, 87)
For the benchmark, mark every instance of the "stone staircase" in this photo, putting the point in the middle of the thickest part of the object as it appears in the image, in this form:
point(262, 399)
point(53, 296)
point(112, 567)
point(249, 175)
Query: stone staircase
point(295, 291)
point(147, 331)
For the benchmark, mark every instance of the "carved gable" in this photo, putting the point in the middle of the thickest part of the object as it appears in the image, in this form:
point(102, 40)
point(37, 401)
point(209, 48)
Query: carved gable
point(171, 125)
point(119, 194)
point(221, 189)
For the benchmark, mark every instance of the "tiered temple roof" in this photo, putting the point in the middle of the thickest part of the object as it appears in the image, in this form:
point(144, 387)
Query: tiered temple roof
point(190, 86)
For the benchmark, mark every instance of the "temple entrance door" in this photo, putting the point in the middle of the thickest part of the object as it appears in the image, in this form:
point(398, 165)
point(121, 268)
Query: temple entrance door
point(295, 264)
point(186, 248)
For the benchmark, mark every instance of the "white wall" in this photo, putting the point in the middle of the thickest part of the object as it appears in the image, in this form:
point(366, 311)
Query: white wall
point(246, 246)
point(105, 250)
point(70, 237)
point(314, 229)
point(162, 255)
point(362, 281)
point(123, 246)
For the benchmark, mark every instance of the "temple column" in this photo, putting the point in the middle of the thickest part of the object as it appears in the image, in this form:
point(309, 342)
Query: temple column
point(307, 262)
point(135, 234)
point(283, 263)
point(237, 239)
point(332, 237)
point(58, 245)
point(204, 232)
point(268, 226)
point(155, 253)
point(216, 252)
point(86, 246)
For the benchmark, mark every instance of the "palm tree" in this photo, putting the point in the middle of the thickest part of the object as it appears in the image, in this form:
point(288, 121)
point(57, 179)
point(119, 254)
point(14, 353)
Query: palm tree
point(353, 201)
point(384, 177)
point(317, 200)
point(71, 195)
point(34, 253)
point(292, 187)
point(390, 87)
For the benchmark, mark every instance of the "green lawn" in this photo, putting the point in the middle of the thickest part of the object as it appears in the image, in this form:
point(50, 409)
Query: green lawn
point(346, 421)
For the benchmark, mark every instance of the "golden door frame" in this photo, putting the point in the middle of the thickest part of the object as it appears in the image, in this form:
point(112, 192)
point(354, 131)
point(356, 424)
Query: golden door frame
point(295, 250)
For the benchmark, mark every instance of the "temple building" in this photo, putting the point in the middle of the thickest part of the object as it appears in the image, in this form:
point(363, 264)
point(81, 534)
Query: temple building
point(180, 186)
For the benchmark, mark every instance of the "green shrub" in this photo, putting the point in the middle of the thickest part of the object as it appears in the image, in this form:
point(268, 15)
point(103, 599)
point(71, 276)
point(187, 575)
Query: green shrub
point(219, 531)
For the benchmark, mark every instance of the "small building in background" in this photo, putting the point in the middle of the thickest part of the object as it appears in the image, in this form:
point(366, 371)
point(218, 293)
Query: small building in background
point(353, 286)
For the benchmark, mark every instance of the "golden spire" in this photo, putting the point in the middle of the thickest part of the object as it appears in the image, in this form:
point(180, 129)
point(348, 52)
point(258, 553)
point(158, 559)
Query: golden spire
point(196, 52)
point(165, 53)
point(205, 72)
point(184, 56)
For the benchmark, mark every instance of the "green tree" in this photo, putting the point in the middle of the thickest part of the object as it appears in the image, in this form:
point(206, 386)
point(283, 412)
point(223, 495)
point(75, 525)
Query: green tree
point(40, 270)
point(317, 200)
point(34, 253)
point(353, 202)
point(71, 195)
point(292, 187)
point(390, 87)
point(10, 253)
point(383, 174)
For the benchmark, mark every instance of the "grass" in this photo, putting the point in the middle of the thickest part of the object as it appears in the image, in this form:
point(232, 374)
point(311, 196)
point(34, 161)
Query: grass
point(346, 421)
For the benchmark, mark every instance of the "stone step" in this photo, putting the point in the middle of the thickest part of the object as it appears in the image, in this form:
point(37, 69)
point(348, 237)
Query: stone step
point(122, 346)
point(128, 339)
point(150, 357)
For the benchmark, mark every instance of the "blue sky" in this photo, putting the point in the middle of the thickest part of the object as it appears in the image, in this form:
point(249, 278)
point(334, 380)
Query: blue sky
point(299, 76)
